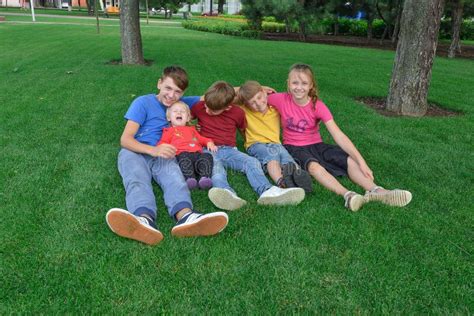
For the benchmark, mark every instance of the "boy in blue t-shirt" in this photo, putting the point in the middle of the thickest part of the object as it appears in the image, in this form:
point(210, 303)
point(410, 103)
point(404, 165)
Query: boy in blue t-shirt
point(140, 161)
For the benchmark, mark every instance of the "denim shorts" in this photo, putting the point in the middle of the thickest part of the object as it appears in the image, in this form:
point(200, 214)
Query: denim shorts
point(268, 152)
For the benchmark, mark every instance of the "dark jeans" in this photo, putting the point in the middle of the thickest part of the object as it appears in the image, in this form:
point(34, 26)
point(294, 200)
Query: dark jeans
point(195, 165)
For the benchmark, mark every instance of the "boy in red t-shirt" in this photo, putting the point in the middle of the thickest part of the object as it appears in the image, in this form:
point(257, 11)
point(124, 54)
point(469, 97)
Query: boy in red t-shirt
point(195, 165)
point(219, 120)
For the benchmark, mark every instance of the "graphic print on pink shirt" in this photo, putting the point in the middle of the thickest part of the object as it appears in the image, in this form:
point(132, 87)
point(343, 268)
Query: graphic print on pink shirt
point(300, 123)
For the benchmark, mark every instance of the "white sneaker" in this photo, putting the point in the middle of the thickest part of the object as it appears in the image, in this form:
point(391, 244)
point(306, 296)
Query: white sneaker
point(127, 225)
point(225, 199)
point(279, 196)
point(394, 197)
point(353, 201)
point(196, 224)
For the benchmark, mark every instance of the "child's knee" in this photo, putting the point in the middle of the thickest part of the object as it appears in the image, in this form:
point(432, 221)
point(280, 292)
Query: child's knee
point(315, 168)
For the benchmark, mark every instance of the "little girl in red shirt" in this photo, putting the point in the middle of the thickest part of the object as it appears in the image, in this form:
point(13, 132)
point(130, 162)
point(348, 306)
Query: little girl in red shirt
point(195, 165)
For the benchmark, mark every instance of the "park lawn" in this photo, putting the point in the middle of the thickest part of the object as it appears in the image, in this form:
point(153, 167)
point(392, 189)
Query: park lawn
point(61, 114)
point(81, 12)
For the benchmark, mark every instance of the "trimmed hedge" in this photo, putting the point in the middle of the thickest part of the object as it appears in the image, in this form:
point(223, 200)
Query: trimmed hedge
point(222, 27)
point(346, 26)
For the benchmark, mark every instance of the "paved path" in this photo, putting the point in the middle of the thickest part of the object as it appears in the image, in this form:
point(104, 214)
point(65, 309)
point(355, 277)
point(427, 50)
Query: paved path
point(143, 20)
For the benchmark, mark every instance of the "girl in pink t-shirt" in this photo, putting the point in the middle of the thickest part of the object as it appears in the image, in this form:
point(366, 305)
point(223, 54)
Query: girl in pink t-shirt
point(301, 112)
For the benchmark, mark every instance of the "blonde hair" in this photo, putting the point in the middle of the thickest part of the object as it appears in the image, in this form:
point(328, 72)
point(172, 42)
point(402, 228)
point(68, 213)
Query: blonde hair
point(247, 91)
point(219, 96)
point(308, 71)
point(178, 103)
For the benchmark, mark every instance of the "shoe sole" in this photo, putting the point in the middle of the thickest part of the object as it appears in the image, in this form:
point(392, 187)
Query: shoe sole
point(222, 199)
point(393, 197)
point(356, 203)
point(127, 225)
point(291, 196)
point(207, 225)
point(303, 180)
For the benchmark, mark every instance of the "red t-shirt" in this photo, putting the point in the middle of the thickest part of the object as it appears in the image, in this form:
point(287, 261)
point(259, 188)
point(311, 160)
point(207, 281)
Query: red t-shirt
point(221, 128)
point(184, 138)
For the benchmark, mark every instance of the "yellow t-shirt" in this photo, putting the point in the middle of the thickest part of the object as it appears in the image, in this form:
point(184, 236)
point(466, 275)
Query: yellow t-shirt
point(262, 128)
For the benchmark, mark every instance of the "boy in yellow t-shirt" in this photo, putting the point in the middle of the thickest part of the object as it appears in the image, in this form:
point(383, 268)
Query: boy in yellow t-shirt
point(262, 139)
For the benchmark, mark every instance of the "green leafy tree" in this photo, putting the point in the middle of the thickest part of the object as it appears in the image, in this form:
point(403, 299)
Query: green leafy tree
point(254, 11)
point(220, 6)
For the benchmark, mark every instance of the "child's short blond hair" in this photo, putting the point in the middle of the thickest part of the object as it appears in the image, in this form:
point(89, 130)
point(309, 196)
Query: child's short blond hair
point(177, 103)
point(219, 96)
point(248, 90)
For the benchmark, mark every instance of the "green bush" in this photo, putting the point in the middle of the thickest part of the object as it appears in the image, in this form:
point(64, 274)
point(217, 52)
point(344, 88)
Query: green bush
point(273, 27)
point(233, 16)
point(222, 27)
point(467, 30)
point(269, 19)
point(322, 26)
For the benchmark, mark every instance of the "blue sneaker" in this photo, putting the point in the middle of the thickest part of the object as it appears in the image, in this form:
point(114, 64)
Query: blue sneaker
point(127, 225)
point(197, 224)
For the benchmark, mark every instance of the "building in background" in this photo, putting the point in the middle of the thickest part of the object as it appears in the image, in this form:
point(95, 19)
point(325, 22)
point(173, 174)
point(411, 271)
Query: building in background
point(230, 7)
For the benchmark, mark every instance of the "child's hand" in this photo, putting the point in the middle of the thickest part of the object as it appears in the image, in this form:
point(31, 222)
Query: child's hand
point(164, 150)
point(212, 147)
point(268, 90)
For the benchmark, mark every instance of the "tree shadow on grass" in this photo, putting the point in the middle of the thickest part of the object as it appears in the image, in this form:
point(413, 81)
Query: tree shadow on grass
point(118, 62)
point(379, 105)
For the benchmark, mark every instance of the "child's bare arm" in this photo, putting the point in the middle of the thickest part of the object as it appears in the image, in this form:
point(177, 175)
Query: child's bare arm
point(346, 144)
point(129, 142)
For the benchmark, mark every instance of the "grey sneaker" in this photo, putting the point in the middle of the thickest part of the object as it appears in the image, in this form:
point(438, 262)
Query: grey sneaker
point(225, 199)
point(293, 176)
point(279, 196)
point(127, 225)
point(196, 224)
point(394, 197)
point(353, 201)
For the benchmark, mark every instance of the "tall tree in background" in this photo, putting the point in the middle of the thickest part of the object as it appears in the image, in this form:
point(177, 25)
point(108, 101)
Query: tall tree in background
point(220, 6)
point(416, 49)
point(254, 11)
point(131, 38)
point(456, 22)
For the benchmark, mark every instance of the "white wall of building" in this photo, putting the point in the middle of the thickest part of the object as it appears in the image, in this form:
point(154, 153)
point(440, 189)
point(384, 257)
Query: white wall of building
point(10, 3)
point(231, 6)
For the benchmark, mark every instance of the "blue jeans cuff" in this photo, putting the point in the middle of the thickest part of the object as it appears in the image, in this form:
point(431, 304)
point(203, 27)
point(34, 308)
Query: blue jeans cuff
point(143, 210)
point(178, 207)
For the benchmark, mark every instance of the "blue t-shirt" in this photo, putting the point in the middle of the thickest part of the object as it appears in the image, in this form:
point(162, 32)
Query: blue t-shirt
point(150, 114)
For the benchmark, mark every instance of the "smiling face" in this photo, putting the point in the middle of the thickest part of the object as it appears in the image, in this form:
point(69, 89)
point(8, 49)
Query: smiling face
point(169, 91)
point(299, 85)
point(178, 114)
point(259, 102)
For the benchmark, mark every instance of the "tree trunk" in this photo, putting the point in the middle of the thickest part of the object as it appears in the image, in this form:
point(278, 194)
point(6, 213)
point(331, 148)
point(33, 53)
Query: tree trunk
point(132, 53)
point(396, 28)
point(456, 22)
point(370, 26)
point(220, 6)
point(416, 49)
point(287, 25)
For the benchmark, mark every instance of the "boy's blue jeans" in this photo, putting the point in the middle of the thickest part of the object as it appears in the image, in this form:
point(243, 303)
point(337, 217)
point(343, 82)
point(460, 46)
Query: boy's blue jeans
point(231, 157)
point(137, 171)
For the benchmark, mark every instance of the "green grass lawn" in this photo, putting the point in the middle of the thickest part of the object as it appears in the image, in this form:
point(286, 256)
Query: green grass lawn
point(61, 118)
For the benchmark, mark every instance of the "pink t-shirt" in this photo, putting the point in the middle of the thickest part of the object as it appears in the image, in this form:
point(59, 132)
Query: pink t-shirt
point(300, 123)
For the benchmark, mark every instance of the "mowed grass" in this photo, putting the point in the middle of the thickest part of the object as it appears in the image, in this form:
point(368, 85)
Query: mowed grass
point(61, 118)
